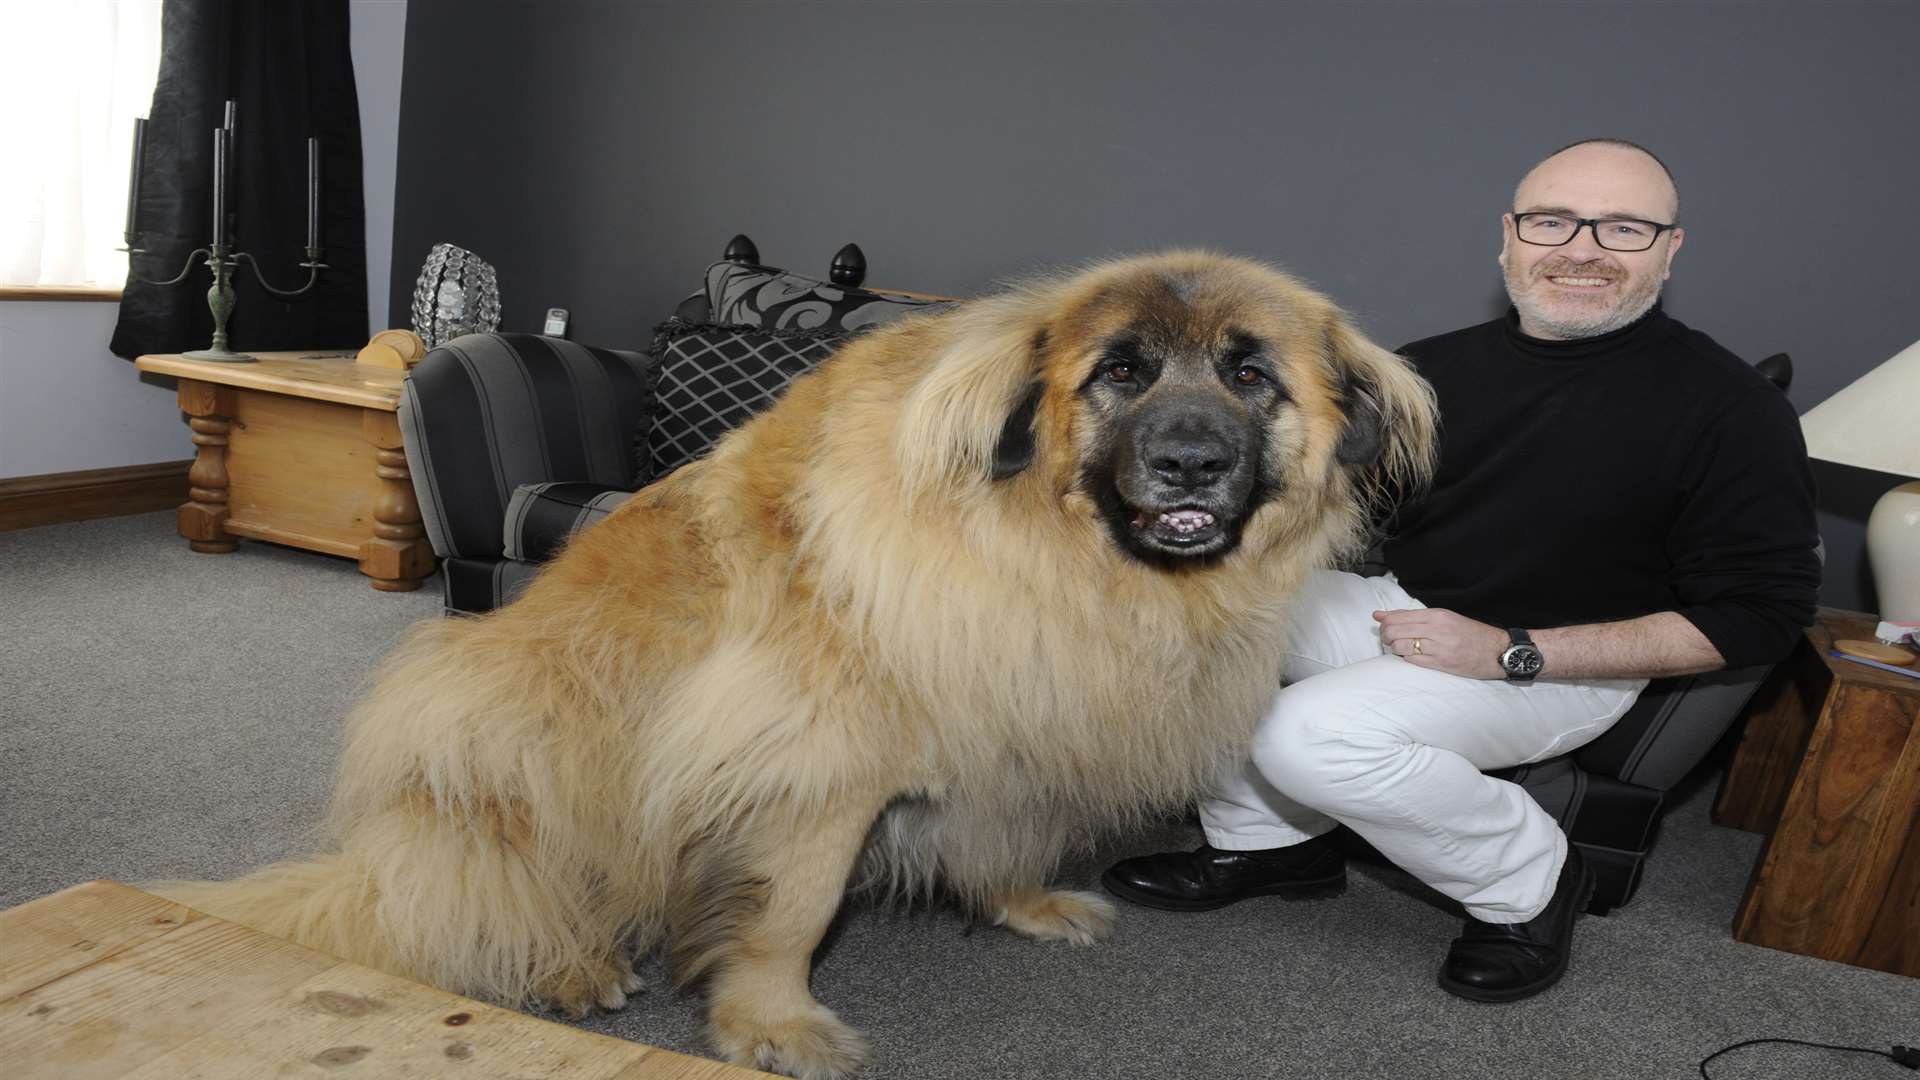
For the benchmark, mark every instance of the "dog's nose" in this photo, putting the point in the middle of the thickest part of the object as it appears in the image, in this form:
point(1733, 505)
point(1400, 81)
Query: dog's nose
point(1192, 460)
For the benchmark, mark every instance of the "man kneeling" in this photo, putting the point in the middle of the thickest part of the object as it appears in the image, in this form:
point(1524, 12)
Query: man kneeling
point(1618, 498)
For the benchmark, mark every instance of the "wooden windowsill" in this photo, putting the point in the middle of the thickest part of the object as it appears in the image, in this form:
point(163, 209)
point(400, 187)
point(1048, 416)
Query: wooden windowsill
point(58, 292)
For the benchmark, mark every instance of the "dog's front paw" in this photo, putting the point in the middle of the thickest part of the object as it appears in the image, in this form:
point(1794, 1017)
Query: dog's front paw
point(812, 1046)
point(604, 984)
point(1059, 914)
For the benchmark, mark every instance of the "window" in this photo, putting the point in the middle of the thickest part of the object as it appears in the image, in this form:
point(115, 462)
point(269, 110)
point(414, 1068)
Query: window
point(73, 76)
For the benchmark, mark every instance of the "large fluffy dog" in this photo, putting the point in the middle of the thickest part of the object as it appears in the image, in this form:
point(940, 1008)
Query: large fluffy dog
point(985, 582)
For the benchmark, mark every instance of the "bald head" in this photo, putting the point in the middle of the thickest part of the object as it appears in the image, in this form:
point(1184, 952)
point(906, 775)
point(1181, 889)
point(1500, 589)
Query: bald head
point(1570, 284)
point(1614, 168)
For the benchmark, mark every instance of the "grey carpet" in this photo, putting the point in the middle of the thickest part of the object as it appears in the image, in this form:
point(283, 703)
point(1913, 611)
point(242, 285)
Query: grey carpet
point(170, 714)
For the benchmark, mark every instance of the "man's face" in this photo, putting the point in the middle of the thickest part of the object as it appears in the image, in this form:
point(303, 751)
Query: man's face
point(1581, 289)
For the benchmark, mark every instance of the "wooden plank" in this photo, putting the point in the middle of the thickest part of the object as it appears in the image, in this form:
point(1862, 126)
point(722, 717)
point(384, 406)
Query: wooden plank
point(100, 1019)
point(104, 980)
point(55, 935)
point(387, 1026)
point(317, 375)
point(666, 1065)
point(83, 495)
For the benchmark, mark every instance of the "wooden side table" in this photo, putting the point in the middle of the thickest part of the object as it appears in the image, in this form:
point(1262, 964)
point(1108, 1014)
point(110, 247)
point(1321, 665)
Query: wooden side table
point(1829, 766)
point(301, 449)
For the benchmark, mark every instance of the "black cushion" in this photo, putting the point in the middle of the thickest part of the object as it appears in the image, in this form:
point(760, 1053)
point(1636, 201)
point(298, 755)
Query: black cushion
point(711, 379)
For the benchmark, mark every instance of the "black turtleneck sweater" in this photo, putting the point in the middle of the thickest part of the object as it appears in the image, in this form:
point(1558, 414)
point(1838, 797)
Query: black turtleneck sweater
point(1644, 470)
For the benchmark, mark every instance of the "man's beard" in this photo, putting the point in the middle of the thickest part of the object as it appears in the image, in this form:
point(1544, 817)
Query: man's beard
point(1569, 320)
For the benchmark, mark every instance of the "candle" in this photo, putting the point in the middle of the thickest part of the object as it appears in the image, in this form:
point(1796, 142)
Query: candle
point(133, 182)
point(313, 192)
point(231, 145)
point(219, 187)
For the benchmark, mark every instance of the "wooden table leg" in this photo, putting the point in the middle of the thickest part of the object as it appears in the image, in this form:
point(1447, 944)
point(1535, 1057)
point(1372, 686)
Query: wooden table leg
point(1773, 743)
point(1840, 876)
point(398, 555)
point(202, 518)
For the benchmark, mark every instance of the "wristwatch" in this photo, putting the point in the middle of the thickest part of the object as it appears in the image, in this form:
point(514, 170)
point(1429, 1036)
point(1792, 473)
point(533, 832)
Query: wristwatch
point(1521, 661)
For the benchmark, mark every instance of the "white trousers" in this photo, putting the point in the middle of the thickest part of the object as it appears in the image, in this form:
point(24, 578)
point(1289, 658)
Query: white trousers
point(1360, 737)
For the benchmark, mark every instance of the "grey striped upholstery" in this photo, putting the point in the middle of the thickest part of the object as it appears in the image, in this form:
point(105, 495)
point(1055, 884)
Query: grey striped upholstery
point(473, 586)
point(484, 414)
point(541, 517)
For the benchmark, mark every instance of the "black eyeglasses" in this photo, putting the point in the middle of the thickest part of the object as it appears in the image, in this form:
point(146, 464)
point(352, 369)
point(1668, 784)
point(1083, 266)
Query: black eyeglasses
point(1614, 234)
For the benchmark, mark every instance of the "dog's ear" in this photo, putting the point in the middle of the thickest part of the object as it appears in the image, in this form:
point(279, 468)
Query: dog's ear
point(1365, 434)
point(1014, 452)
point(1392, 420)
point(971, 416)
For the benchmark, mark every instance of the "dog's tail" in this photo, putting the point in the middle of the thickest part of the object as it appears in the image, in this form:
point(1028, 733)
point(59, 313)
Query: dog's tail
point(437, 903)
point(463, 849)
point(324, 903)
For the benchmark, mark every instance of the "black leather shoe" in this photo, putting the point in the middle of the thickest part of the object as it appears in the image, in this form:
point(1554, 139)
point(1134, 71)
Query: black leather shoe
point(1208, 878)
point(1506, 962)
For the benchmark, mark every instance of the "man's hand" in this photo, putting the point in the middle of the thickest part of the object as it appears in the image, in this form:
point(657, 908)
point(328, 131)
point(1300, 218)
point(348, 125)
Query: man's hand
point(1445, 641)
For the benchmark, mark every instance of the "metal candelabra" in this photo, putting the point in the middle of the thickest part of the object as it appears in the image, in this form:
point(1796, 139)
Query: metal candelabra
point(221, 255)
point(221, 260)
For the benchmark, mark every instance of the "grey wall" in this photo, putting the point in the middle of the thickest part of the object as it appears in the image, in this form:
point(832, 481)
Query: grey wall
point(600, 154)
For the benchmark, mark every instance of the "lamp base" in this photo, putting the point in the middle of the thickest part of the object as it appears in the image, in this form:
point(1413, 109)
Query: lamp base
point(1893, 549)
point(219, 356)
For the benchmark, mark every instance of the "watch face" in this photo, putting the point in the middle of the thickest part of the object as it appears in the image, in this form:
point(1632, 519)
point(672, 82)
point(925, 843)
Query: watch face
point(1521, 661)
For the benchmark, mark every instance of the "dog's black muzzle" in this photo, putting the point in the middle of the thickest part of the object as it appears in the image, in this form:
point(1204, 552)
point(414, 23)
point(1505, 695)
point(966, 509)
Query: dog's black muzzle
point(1185, 471)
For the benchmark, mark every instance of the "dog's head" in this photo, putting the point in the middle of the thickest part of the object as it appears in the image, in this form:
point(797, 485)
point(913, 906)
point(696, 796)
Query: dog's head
point(1184, 400)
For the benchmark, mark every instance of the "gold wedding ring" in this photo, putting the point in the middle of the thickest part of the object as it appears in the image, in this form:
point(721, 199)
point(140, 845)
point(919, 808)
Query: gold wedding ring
point(1416, 647)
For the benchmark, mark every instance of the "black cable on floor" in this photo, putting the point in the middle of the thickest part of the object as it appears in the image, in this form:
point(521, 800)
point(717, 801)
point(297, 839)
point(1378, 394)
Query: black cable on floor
point(1908, 1056)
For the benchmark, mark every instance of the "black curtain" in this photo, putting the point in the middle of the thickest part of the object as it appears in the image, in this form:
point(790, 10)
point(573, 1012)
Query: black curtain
point(287, 65)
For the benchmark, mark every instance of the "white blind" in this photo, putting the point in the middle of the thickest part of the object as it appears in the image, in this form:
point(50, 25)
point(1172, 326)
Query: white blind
point(73, 76)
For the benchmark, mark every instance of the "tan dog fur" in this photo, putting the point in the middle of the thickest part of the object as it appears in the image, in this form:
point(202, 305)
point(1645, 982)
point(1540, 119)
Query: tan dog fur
point(836, 650)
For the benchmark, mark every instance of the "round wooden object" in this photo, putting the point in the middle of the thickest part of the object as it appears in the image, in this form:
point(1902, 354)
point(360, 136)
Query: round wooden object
point(380, 354)
point(1873, 650)
point(405, 342)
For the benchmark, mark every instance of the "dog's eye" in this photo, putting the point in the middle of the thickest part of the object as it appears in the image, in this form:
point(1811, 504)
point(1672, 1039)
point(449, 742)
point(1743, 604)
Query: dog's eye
point(1120, 373)
point(1247, 375)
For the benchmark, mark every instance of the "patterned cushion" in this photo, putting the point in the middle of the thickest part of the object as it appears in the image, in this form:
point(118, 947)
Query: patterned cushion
point(742, 294)
point(711, 379)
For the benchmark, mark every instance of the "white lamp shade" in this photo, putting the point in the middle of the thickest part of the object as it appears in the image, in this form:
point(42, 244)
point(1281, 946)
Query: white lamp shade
point(1875, 422)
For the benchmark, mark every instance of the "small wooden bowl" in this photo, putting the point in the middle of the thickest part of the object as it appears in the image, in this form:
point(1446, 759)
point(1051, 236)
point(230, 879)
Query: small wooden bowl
point(1874, 650)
